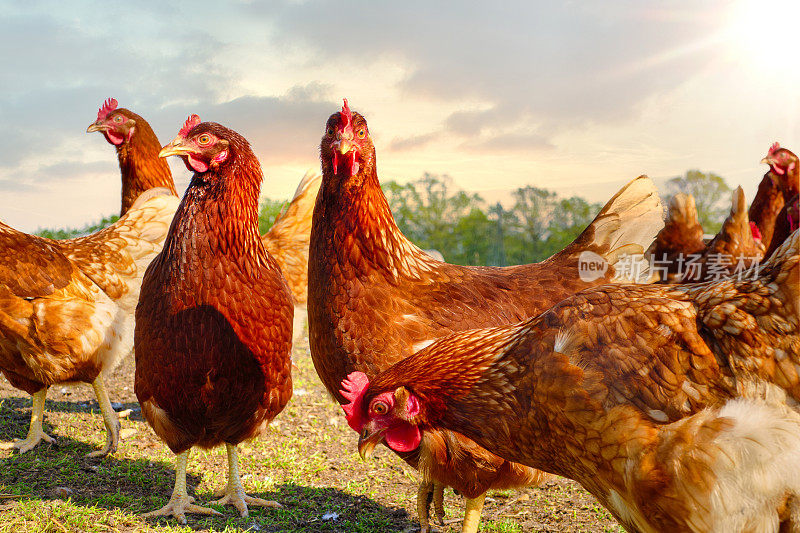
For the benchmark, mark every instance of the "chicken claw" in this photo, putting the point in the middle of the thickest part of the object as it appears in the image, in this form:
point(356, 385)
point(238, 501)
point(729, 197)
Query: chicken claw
point(35, 432)
point(180, 502)
point(233, 493)
point(178, 506)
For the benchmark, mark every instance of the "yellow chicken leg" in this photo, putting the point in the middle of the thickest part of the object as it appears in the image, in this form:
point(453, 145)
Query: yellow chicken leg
point(472, 514)
point(180, 502)
point(234, 493)
point(110, 419)
point(35, 431)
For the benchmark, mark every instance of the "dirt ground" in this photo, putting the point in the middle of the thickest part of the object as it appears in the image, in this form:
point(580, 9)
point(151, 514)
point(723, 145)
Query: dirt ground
point(307, 461)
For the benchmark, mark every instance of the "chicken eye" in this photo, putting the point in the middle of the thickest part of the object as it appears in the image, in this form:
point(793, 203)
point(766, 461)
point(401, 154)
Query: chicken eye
point(204, 139)
point(380, 408)
point(362, 133)
point(329, 132)
point(118, 118)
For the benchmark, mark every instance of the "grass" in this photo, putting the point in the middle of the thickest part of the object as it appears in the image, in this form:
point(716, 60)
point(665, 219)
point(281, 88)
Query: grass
point(307, 460)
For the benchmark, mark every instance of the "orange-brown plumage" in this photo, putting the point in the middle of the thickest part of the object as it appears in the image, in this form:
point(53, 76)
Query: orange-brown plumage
point(137, 151)
point(214, 320)
point(374, 297)
point(676, 406)
point(213, 323)
point(785, 166)
point(66, 307)
point(681, 237)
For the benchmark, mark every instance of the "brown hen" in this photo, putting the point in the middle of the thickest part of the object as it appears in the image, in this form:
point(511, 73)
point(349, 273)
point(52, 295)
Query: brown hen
point(676, 406)
point(785, 166)
point(137, 151)
point(66, 307)
point(213, 324)
point(375, 298)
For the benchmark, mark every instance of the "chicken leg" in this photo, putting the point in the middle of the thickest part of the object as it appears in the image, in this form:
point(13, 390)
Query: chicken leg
point(233, 493)
point(180, 502)
point(428, 492)
point(110, 419)
point(35, 431)
point(472, 514)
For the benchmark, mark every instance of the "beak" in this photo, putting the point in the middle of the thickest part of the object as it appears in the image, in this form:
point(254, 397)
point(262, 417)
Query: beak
point(367, 442)
point(175, 147)
point(94, 126)
point(343, 146)
point(766, 161)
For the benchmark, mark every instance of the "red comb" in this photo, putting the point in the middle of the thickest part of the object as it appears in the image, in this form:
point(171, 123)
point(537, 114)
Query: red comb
point(190, 123)
point(108, 106)
point(347, 117)
point(353, 388)
point(774, 148)
point(755, 231)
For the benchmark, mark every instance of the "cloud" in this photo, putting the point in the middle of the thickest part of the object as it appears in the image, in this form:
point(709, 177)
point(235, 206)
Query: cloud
point(417, 141)
point(510, 142)
point(534, 62)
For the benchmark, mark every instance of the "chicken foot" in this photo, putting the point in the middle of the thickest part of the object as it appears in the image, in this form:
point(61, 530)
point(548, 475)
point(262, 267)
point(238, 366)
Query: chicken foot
point(180, 502)
point(428, 492)
point(35, 431)
point(110, 419)
point(233, 493)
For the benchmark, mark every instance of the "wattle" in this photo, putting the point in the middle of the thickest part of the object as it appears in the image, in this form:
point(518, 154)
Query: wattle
point(196, 164)
point(346, 163)
point(403, 438)
point(113, 138)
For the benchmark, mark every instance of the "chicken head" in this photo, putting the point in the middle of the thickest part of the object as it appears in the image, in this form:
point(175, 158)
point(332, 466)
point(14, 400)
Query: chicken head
point(198, 145)
point(117, 125)
point(389, 416)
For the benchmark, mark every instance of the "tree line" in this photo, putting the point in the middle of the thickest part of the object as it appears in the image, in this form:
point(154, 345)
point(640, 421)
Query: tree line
point(434, 214)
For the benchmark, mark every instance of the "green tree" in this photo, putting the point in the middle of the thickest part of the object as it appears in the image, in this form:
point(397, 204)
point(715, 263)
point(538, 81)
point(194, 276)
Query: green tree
point(712, 196)
point(570, 218)
point(433, 215)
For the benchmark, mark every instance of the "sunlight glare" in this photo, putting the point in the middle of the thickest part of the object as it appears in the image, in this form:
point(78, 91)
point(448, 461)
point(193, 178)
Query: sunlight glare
point(766, 32)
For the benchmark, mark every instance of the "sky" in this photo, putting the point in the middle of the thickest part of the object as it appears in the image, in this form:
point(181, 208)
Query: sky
point(578, 97)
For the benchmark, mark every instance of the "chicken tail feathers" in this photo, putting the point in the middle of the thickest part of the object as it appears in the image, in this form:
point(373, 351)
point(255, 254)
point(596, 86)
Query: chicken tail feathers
point(624, 229)
point(302, 203)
